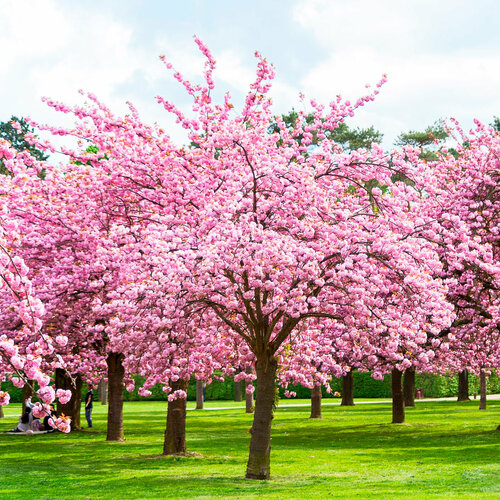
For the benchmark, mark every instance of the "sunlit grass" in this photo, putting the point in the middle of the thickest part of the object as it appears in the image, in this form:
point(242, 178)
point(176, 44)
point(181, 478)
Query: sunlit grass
point(445, 450)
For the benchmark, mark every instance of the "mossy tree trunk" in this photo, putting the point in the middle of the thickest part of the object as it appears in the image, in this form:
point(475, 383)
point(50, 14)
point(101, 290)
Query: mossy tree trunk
point(248, 395)
point(316, 402)
point(73, 407)
point(103, 392)
point(482, 390)
point(347, 390)
point(199, 394)
point(409, 387)
point(398, 404)
point(175, 431)
point(258, 466)
point(116, 373)
point(463, 386)
point(1, 407)
point(238, 391)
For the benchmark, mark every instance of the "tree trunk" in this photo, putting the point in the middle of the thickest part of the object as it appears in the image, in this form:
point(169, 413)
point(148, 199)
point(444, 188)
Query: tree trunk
point(26, 392)
point(1, 412)
point(199, 394)
point(463, 386)
point(398, 403)
point(116, 373)
point(347, 390)
point(103, 392)
point(175, 432)
point(316, 402)
point(409, 387)
point(73, 406)
point(248, 395)
point(260, 443)
point(238, 392)
point(482, 390)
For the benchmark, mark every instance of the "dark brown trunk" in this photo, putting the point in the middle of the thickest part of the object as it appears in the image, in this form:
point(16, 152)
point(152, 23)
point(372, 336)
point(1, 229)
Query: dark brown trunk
point(409, 387)
point(398, 403)
point(175, 432)
point(316, 402)
point(116, 373)
point(482, 390)
point(72, 407)
point(199, 394)
point(463, 386)
point(258, 466)
point(238, 392)
point(1, 412)
point(248, 395)
point(103, 392)
point(347, 390)
point(27, 392)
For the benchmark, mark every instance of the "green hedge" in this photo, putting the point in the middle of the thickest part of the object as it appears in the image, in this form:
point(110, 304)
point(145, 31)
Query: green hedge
point(364, 387)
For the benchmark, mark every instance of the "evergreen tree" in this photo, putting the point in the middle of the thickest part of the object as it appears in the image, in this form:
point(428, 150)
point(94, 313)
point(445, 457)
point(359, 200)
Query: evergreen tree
point(17, 139)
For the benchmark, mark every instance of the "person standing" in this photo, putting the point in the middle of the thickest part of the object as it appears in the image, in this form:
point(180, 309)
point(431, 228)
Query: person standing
point(89, 398)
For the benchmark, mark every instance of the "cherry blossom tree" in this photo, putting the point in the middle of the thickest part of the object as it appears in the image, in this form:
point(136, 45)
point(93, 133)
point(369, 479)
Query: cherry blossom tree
point(24, 346)
point(281, 232)
point(257, 231)
point(464, 199)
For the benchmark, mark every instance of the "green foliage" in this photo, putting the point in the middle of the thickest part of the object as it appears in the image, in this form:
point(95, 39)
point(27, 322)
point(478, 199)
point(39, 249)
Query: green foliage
point(496, 123)
point(93, 149)
point(352, 139)
point(428, 137)
point(215, 391)
point(365, 386)
point(429, 141)
point(349, 139)
point(18, 141)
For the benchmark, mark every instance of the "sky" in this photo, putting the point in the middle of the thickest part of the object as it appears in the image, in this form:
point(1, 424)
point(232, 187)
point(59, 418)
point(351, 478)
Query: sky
point(442, 57)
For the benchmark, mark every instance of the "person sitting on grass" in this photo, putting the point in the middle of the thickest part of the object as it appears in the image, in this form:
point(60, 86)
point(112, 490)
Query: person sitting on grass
point(24, 423)
point(37, 425)
point(28, 403)
point(47, 419)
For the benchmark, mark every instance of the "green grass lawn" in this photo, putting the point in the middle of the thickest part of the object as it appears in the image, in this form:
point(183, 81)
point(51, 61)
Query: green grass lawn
point(445, 450)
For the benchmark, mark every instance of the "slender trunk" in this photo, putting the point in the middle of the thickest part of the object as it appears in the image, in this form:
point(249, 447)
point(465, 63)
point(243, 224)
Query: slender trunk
point(116, 373)
point(347, 390)
point(260, 443)
point(199, 394)
point(248, 395)
point(409, 387)
point(482, 390)
point(238, 392)
point(463, 386)
point(103, 392)
point(316, 402)
point(27, 392)
point(398, 403)
point(73, 406)
point(175, 432)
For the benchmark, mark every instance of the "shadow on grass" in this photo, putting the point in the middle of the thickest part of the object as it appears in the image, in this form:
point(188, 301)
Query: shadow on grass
point(356, 447)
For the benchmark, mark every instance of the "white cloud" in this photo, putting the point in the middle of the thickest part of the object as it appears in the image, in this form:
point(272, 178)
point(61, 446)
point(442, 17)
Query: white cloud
point(30, 29)
point(438, 63)
point(433, 71)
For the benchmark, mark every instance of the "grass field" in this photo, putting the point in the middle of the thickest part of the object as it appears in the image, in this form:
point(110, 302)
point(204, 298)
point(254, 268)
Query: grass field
point(445, 450)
